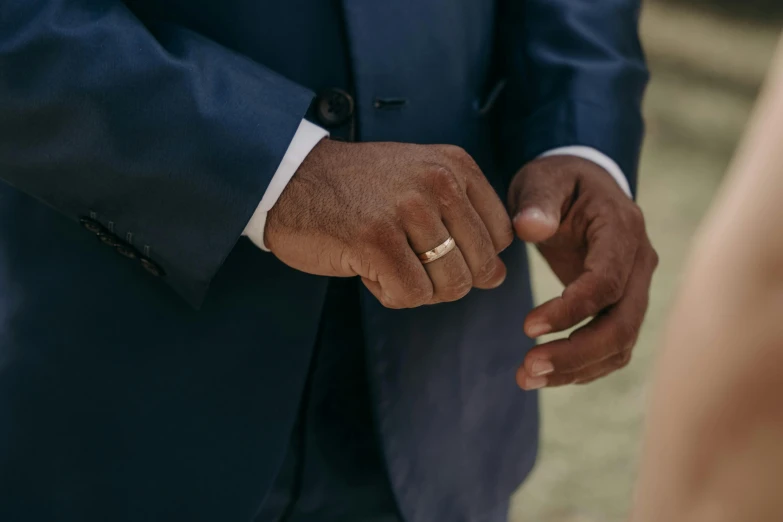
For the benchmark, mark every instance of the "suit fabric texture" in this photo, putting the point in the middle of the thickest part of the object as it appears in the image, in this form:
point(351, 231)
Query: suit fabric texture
point(164, 383)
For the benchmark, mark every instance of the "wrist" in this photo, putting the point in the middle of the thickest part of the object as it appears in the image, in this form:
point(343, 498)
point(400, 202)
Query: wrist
point(593, 155)
point(306, 138)
point(300, 194)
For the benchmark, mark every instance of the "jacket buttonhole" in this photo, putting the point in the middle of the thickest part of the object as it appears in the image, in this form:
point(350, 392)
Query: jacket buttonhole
point(390, 103)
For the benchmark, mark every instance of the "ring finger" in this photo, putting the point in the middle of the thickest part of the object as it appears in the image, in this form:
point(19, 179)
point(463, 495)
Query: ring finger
point(450, 275)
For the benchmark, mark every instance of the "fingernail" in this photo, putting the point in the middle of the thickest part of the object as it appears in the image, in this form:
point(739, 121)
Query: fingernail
point(532, 213)
point(542, 367)
point(535, 214)
point(534, 383)
point(538, 329)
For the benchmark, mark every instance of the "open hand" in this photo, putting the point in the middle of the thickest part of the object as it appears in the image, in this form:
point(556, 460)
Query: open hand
point(594, 239)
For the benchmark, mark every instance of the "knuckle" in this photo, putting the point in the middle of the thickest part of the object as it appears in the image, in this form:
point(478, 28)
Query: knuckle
point(486, 271)
point(654, 258)
point(591, 306)
point(389, 303)
point(577, 307)
point(413, 207)
point(411, 201)
point(456, 152)
point(417, 296)
point(622, 360)
point(635, 214)
point(572, 311)
point(461, 291)
point(634, 220)
point(613, 289)
point(455, 291)
point(445, 185)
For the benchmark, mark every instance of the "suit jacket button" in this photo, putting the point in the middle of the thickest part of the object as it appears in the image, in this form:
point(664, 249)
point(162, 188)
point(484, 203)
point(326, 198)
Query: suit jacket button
point(110, 239)
point(91, 225)
point(152, 267)
point(127, 251)
point(334, 107)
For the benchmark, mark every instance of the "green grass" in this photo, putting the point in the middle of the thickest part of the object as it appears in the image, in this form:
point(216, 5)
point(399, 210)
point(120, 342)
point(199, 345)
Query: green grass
point(591, 433)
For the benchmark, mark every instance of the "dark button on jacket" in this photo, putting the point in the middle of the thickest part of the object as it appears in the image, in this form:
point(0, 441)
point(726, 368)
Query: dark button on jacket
point(110, 239)
point(334, 107)
point(91, 225)
point(127, 251)
point(123, 248)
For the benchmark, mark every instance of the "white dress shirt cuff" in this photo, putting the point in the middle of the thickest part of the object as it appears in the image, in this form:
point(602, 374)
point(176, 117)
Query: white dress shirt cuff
point(306, 138)
point(597, 157)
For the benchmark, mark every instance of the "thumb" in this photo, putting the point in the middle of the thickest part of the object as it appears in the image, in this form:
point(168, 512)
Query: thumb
point(536, 200)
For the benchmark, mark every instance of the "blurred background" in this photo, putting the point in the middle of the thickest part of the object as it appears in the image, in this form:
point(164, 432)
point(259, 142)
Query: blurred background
point(708, 59)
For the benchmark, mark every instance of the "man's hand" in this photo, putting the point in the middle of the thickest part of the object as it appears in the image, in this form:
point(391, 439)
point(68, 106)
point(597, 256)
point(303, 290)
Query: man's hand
point(594, 239)
point(367, 209)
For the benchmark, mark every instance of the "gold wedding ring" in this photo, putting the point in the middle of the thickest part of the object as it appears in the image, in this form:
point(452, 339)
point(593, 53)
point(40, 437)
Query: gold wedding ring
point(439, 251)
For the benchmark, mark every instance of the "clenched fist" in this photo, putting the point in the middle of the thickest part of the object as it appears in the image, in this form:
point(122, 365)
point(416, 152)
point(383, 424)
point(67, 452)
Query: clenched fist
point(368, 209)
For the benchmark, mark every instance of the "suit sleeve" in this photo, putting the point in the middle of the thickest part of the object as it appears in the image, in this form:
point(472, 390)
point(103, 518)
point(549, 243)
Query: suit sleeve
point(160, 134)
point(575, 75)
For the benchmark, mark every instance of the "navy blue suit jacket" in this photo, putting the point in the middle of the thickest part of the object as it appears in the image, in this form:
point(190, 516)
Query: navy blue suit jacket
point(169, 393)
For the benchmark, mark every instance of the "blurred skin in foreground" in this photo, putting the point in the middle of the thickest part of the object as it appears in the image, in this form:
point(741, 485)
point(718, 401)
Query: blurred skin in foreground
point(713, 450)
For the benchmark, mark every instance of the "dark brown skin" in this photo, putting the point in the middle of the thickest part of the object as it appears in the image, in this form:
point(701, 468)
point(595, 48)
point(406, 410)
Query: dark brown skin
point(594, 239)
point(367, 209)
